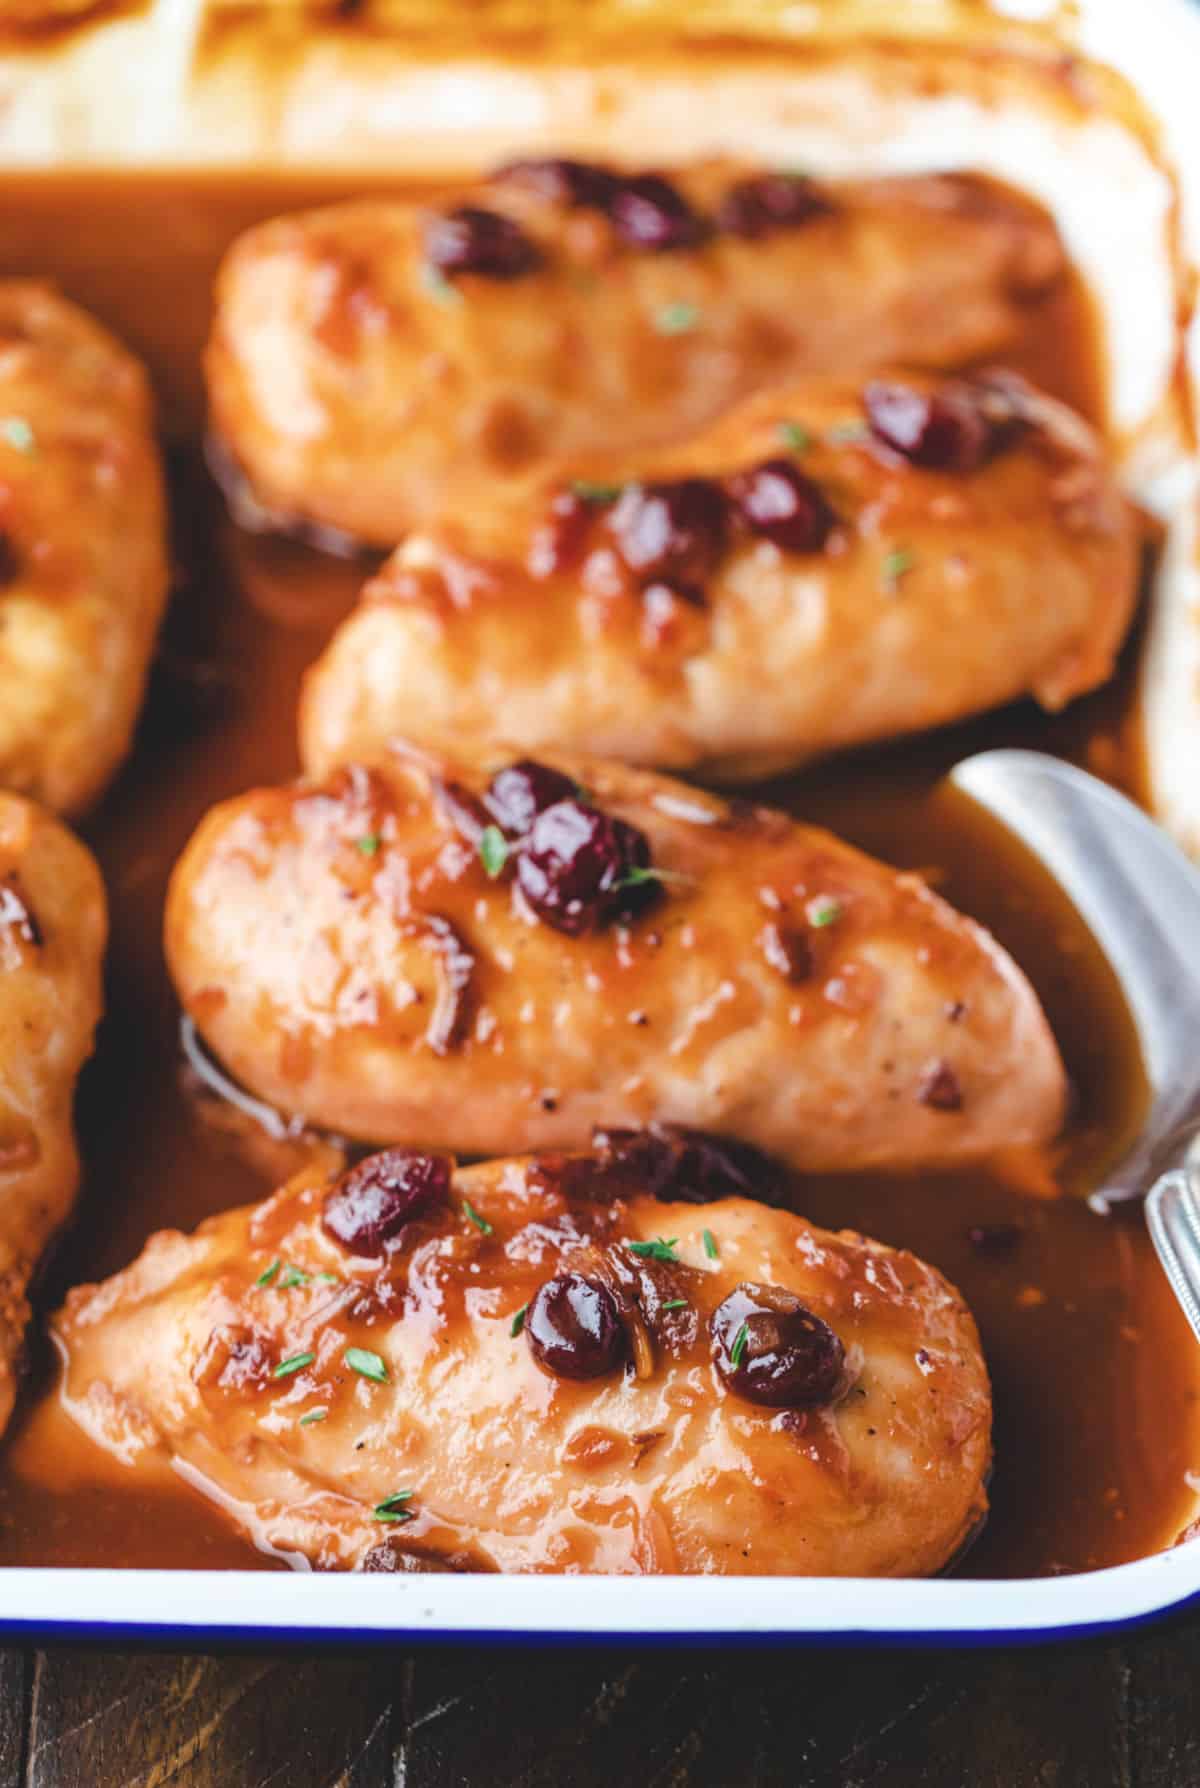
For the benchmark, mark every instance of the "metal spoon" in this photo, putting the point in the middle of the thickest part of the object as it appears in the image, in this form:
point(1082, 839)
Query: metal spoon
point(1140, 896)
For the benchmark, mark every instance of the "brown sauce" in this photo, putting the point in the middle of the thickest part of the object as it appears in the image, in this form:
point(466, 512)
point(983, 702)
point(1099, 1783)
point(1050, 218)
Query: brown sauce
point(1097, 1380)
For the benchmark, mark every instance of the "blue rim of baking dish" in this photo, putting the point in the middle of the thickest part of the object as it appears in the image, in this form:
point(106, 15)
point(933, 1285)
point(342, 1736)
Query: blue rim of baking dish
point(203, 1610)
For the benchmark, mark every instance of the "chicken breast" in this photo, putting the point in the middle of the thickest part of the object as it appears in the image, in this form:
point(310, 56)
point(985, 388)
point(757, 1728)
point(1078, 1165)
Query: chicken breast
point(53, 928)
point(382, 363)
point(83, 560)
point(829, 565)
point(415, 954)
point(532, 1374)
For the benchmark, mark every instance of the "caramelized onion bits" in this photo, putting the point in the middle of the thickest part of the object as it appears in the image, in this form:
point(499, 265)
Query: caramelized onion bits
point(574, 1328)
point(456, 966)
point(777, 502)
point(649, 213)
point(517, 794)
point(674, 531)
point(580, 185)
point(947, 430)
point(770, 1349)
point(764, 203)
point(578, 869)
point(367, 1208)
point(675, 1166)
point(472, 240)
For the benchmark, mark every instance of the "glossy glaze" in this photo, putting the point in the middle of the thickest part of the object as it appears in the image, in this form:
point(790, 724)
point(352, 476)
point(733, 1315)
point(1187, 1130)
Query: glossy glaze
point(925, 601)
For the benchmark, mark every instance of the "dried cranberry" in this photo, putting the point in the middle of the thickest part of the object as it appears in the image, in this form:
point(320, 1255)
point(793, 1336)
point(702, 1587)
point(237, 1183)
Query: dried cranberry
point(516, 795)
point(674, 531)
point(777, 501)
point(369, 1206)
point(771, 1349)
point(472, 240)
point(676, 1166)
point(944, 430)
point(580, 184)
point(574, 1327)
point(768, 202)
point(648, 212)
point(578, 868)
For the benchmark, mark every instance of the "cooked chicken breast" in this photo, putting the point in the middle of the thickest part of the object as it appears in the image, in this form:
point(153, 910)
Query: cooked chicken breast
point(830, 564)
point(53, 926)
point(506, 1368)
point(383, 363)
point(83, 560)
point(415, 954)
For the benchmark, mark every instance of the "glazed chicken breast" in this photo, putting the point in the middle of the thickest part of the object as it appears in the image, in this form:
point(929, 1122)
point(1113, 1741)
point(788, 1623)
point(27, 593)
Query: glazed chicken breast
point(83, 557)
point(439, 954)
point(832, 563)
point(512, 1367)
point(383, 363)
point(53, 927)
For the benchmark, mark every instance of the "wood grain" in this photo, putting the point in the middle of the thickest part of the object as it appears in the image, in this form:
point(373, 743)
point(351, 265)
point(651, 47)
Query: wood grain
point(1083, 1716)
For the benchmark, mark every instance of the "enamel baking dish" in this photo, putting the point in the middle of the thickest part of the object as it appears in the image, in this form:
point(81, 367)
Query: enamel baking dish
point(1095, 115)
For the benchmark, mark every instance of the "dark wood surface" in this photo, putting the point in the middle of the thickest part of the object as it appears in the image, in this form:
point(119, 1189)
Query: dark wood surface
point(1079, 1716)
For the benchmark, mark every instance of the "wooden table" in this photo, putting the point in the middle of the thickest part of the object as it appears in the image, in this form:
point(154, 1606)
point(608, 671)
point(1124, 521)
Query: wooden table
point(1083, 1716)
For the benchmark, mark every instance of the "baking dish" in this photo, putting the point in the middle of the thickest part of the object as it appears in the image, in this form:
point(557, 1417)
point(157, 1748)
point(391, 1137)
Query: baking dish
point(951, 87)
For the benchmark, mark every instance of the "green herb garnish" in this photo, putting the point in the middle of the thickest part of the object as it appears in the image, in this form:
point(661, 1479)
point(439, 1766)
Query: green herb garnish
point(795, 437)
point(637, 875)
point(518, 1321)
point(896, 564)
point(366, 1364)
point(659, 1249)
point(481, 1223)
point(710, 1244)
point(739, 1345)
point(599, 494)
point(493, 850)
point(676, 319)
point(18, 434)
point(326, 1278)
point(298, 1361)
point(369, 843)
point(823, 909)
point(314, 1415)
point(392, 1507)
point(268, 1273)
point(292, 1276)
point(676, 1304)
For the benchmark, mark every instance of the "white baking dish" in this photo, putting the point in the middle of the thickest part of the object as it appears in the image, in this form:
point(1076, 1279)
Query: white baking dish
point(1130, 213)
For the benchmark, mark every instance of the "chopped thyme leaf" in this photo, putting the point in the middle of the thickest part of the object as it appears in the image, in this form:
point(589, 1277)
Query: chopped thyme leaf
point(366, 1364)
point(847, 431)
point(795, 437)
point(18, 434)
point(676, 1304)
point(900, 560)
point(481, 1223)
point(659, 1249)
point(314, 1415)
point(710, 1244)
point(296, 1363)
point(268, 1273)
point(518, 1321)
point(368, 844)
point(326, 1278)
point(739, 1345)
point(823, 909)
point(493, 850)
point(599, 494)
point(676, 319)
point(637, 874)
point(439, 287)
point(392, 1507)
point(292, 1276)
